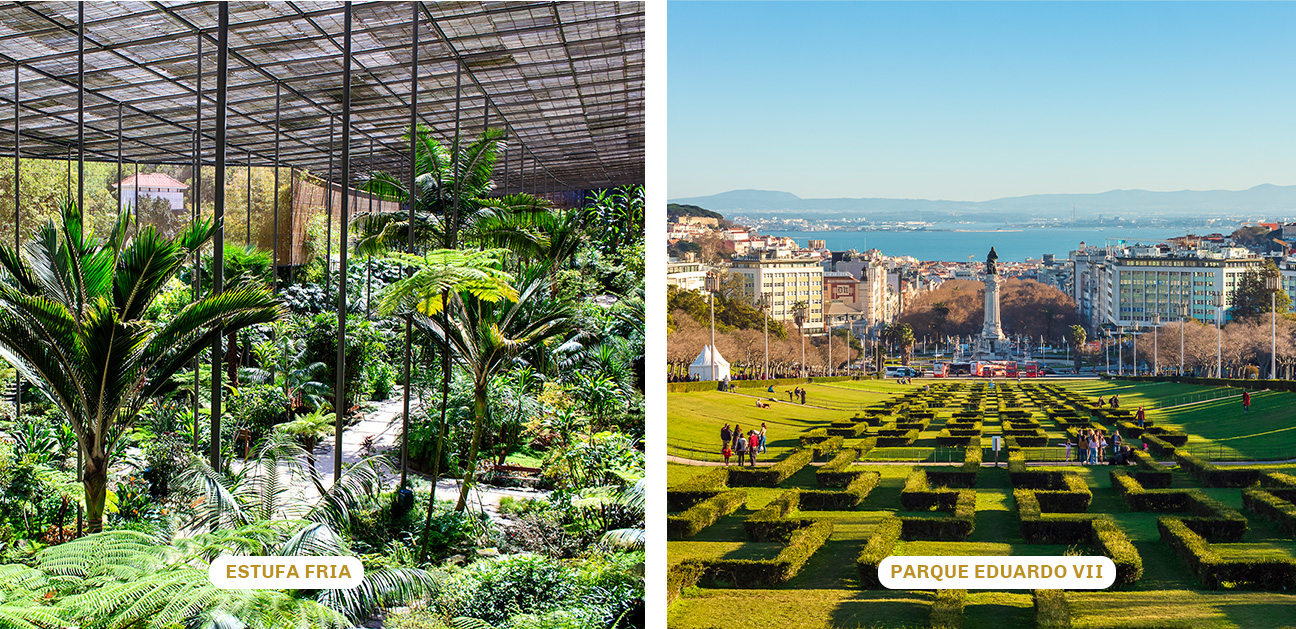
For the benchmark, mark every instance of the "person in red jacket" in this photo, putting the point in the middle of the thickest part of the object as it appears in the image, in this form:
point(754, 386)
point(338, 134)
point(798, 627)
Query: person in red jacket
point(1246, 401)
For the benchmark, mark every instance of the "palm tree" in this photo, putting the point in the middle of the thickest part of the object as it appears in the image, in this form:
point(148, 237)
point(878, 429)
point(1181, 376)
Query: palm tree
point(905, 339)
point(488, 337)
point(1078, 338)
point(72, 321)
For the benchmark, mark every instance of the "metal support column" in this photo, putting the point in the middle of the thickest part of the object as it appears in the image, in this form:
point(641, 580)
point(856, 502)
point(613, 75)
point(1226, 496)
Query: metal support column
point(369, 258)
point(196, 213)
point(249, 199)
point(340, 392)
point(218, 249)
point(454, 158)
point(328, 208)
point(409, 247)
point(274, 231)
point(17, 196)
point(120, 198)
point(80, 192)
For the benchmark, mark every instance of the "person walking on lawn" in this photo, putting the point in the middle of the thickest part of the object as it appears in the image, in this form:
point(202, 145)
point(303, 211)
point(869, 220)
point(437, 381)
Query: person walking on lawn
point(726, 435)
point(1246, 402)
point(753, 444)
point(762, 438)
point(1140, 417)
point(726, 452)
point(1083, 439)
point(740, 447)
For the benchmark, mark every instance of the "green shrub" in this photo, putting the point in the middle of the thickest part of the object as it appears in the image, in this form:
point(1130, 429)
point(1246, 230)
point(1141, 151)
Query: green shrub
point(497, 588)
point(258, 407)
point(1277, 479)
point(829, 446)
point(947, 609)
point(1051, 609)
point(1112, 542)
point(1150, 473)
point(773, 475)
point(1211, 475)
point(880, 546)
point(801, 544)
point(712, 479)
point(704, 514)
point(772, 523)
point(682, 576)
point(1216, 571)
point(814, 436)
point(1265, 503)
point(852, 496)
point(836, 473)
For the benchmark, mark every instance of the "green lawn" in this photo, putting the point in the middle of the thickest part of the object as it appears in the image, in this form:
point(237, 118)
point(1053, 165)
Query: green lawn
point(826, 593)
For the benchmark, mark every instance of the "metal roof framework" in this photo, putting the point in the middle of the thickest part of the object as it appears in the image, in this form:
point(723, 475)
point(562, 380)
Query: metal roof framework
point(565, 81)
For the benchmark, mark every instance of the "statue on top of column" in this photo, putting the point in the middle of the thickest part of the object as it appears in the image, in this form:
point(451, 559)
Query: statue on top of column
point(990, 262)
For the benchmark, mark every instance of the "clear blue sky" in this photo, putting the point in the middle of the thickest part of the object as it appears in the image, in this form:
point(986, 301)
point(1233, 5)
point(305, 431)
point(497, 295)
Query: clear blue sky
point(974, 101)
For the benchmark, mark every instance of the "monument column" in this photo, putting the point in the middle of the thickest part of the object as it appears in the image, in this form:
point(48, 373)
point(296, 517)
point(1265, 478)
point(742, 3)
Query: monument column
point(992, 332)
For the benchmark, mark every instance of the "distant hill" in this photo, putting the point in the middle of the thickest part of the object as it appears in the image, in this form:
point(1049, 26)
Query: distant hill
point(675, 210)
point(1266, 199)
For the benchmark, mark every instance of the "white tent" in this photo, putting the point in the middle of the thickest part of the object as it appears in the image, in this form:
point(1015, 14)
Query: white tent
point(701, 368)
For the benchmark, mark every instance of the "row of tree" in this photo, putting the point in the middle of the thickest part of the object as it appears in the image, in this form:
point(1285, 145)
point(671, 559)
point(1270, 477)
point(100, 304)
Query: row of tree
point(1026, 307)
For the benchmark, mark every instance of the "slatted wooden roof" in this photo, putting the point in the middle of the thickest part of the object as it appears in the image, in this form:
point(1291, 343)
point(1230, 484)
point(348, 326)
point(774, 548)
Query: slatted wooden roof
point(565, 80)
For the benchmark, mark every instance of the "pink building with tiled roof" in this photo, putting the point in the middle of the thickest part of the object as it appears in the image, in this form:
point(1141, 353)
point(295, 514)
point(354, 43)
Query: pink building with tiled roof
point(158, 185)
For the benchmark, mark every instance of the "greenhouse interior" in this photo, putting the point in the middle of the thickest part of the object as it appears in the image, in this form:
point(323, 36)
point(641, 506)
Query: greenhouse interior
point(322, 279)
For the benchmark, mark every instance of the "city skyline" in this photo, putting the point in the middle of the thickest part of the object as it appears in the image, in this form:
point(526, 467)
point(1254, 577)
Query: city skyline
point(977, 101)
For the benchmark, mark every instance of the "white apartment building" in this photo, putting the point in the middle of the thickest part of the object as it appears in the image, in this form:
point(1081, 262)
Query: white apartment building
point(782, 282)
point(874, 295)
point(686, 275)
point(1122, 289)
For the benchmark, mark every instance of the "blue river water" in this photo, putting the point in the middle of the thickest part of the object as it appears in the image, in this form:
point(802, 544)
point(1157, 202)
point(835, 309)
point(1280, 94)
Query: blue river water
point(1012, 244)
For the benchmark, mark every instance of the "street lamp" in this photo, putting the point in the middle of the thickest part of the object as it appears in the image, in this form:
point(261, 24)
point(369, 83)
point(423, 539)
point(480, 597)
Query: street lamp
point(1107, 348)
point(765, 323)
point(1120, 350)
point(1219, 315)
point(798, 317)
point(711, 288)
point(1156, 326)
point(1183, 318)
point(1134, 360)
point(1271, 282)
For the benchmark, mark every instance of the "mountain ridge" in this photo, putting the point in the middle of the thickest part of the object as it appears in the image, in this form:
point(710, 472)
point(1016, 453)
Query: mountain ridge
point(1265, 198)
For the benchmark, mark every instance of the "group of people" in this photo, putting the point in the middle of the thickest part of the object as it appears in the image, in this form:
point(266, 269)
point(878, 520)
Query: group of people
point(1092, 443)
point(1114, 401)
point(746, 446)
point(795, 394)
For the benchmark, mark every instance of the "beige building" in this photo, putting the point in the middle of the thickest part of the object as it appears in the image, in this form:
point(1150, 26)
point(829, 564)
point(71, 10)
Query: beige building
point(782, 282)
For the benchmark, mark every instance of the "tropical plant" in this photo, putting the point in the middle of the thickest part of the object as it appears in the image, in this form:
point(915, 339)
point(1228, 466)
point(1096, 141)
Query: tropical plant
point(132, 579)
point(72, 322)
point(488, 337)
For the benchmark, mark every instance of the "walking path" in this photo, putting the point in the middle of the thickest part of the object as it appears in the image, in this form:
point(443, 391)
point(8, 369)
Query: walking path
point(383, 427)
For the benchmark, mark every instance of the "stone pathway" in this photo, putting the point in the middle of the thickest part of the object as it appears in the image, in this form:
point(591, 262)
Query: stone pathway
point(383, 426)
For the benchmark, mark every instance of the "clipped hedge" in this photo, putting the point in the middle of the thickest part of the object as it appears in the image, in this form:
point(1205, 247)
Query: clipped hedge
point(1051, 609)
point(1211, 475)
point(682, 576)
point(849, 431)
point(677, 501)
point(713, 479)
point(850, 497)
point(772, 523)
point(1159, 445)
point(1215, 571)
point(837, 472)
point(704, 514)
point(1112, 542)
point(898, 441)
point(919, 495)
point(951, 529)
point(760, 573)
point(773, 475)
point(816, 435)
point(947, 609)
point(880, 546)
point(1149, 473)
point(1277, 509)
point(1277, 479)
point(1208, 517)
point(831, 445)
